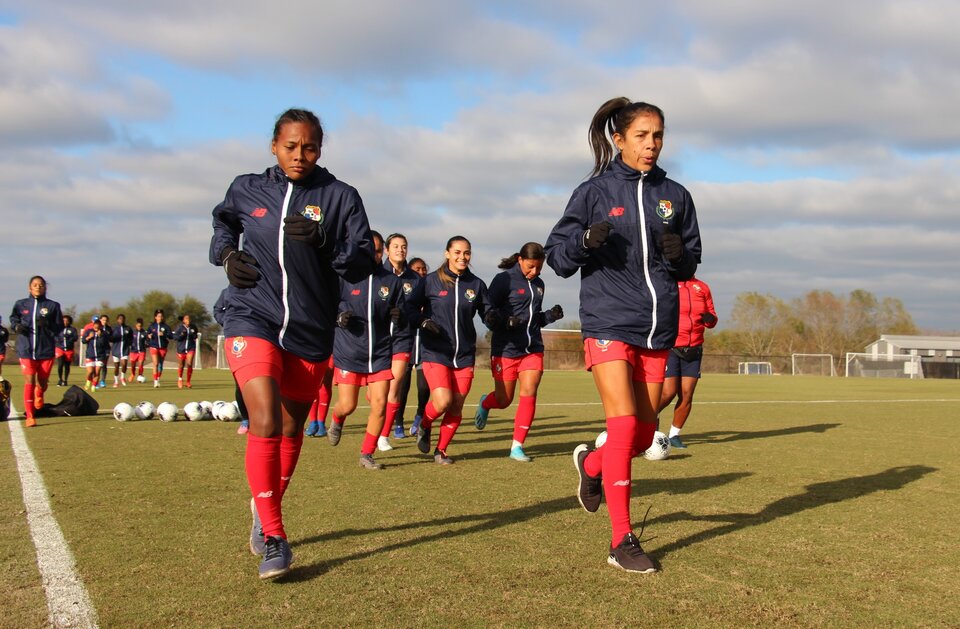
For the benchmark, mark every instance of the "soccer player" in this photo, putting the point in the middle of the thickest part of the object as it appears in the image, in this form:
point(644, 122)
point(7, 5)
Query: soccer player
point(186, 335)
point(97, 341)
point(64, 352)
point(4, 337)
point(516, 348)
point(301, 228)
point(420, 267)
point(317, 424)
point(158, 338)
point(37, 321)
point(108, 331)
point(683, 361)
point(452, 296)
point(633, 234)
point(138, 350)
point(363, 350)
point(122, 338)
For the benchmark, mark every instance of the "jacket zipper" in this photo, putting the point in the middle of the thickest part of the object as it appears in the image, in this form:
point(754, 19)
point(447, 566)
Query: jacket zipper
point(529, 317)
point(370, 324)
point(456, 321)
point(283, 268)
point(645, 252)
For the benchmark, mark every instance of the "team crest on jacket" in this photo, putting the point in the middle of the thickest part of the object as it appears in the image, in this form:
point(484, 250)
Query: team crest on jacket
point(539, 291)
point(407, 288)
point(314, 213)
point(239, 344)
point(470, 294)
point(664, 209)
point(384, 292)
point(43, 312)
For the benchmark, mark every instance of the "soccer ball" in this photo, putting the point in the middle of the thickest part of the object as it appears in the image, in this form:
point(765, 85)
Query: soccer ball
point(145, 410)
point(141, 379)
point(207, 409)
point(229, 412)
point(123, 412)
point(215, 410)
point(168, 412)
point(659, 449)
point(601, 439)
point(193, 411)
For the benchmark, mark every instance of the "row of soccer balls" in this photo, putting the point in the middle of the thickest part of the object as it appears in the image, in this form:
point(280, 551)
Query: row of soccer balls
point(168, 411)
point(658, 450)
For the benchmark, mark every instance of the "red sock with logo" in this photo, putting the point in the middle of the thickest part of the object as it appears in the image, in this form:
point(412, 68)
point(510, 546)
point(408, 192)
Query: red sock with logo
point(324, 395)
point(448, 428)
point(262, 461)
point(490, 401)
point(617, 456)
point(289, 455)
point(28, 400)
point(392, 408)
point(369, 443)
point(522, 421)
point(429, 414)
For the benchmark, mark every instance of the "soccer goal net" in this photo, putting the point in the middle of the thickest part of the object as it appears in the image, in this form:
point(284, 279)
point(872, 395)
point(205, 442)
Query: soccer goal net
point(755, 369)
point(813, 365)
point(884, 366)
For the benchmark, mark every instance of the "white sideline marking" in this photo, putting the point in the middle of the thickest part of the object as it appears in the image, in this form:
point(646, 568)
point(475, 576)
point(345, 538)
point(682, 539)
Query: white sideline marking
point(68, 603)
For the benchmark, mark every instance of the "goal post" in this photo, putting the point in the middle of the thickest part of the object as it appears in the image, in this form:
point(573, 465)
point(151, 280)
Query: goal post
point(860, 365)
point(813, 365)
point(758, 368)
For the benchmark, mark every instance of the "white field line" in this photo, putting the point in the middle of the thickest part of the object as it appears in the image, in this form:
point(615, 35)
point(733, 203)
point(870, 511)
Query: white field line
point(68, 603)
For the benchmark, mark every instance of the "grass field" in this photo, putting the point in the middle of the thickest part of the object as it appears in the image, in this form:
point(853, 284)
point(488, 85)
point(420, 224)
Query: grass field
point(800, 502)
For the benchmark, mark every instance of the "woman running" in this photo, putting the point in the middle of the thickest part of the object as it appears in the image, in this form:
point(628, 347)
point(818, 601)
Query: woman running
point(122, 338)
point(362, 350)
point(420, 267)
point(65, 350)
point(317, 424)
point(516, 349)
point(186, 335)
point(138, 350)
point(4, 337)
point(158, 338)
point(300, 229)
point(37, 321)
point(632, 233)
point(97, 342)
point(452, 296)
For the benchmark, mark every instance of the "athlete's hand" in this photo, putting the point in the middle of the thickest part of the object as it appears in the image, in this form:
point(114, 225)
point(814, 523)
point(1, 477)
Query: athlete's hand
point(430, 326)
point(299, 227)
point(596, 235)
point(513, 321)
point(492, 318)
point(554, 314)
point(240, 268)
point(343, 319)
point(672, 246)
point(396, 315)
point(708, 318)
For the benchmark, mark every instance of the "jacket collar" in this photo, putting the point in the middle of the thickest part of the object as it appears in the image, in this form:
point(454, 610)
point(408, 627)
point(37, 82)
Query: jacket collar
point(622, 171)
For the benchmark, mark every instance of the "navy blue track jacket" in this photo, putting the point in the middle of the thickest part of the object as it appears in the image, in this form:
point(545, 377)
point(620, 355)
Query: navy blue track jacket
point(43, 320)
point(405, 335)
point(122, 338)
point(365, 345)
point(186, 338)
point(452, 308)
point(294, 302)
point(155, 338)
point(138, 341)
point(628, 290)
point(98, 345)
point(67, 338)
point(512, 294)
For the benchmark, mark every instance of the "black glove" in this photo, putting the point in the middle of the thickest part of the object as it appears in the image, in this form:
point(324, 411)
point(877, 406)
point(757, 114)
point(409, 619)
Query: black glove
point(708, 319)
point(430, 326)
point(513, 321)
point(596, 235)
point(554, 314)
point(396, 315)
point(492, 318)
point(343, 319)
point(21, 329)
point(239, 267)
point(672, 247)
point(301, 228)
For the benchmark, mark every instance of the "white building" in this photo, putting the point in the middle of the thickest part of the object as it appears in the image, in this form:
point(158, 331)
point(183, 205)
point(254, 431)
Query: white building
point(934, 348)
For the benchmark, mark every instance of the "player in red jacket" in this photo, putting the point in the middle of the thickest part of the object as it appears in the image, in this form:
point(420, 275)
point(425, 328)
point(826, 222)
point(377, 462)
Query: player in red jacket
point(683, 363)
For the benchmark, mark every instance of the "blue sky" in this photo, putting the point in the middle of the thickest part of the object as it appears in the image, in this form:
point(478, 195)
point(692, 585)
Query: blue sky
point(819, 141)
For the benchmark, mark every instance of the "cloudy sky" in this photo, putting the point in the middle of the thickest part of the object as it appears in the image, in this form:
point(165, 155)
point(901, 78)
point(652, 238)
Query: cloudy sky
point(820, 140)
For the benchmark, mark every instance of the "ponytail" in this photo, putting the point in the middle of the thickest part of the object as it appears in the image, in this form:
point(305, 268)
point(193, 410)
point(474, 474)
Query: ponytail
point(614, 116)
point(529, 251)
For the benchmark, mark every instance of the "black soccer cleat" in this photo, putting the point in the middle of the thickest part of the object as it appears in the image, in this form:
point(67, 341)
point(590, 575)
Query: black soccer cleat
point(629, 556)
point(590, 489)
point(423, 440)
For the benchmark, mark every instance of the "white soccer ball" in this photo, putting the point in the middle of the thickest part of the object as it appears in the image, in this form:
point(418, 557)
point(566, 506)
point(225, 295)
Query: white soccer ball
point(141, 379)
point(145, 410)
point(229, 412)
point(124, 412)
point(168, 412)
point(207, 409)
point(216, 409)
point(193, 411)
point(659, 449)
point(601, 439)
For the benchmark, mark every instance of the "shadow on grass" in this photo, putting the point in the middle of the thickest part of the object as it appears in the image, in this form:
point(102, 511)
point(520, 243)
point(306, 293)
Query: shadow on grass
point(481, 522)
point(816, 495)
point(724, 436)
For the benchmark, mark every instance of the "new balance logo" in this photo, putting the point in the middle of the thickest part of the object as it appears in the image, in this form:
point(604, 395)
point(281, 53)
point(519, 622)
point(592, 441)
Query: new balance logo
point(617, 211)
point(622, 483)
point(259, 212)
point(265, 494)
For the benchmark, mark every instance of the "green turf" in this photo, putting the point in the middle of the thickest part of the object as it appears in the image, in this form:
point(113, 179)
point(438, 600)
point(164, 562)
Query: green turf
point(800, 502)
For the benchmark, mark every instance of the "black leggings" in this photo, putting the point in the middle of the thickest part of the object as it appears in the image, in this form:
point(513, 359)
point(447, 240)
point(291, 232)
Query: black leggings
point(63, 368)
point(423, 392)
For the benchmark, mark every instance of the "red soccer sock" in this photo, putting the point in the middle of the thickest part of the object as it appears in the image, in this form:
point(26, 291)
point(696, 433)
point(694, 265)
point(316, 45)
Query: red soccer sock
point(28, 400)
point(392, 408)
point(189, 373)
point(338, 420)
point(369, 443)
point(324, 395)
point(156, 375)
point(490, 401)
point(522, 421)
point(429, 414)
point(617, 456)
point(643, 438)
point(262, 462)
point(448, 428)
point(180, 372)
point(140, 372)
point(289, 455)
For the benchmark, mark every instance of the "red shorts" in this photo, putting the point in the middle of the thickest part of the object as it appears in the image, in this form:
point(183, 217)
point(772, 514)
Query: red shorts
point(342, 376)
point(442, 377)
point(39, 368)
point(508, 369)
point(136, 357)
point(250, 357)
point(186, 356)
point(58, 352)
point(402, 356)
point(154, 351)
point(648, 365)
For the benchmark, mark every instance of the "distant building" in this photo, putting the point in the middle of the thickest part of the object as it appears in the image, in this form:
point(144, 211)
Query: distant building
point(940, 355)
